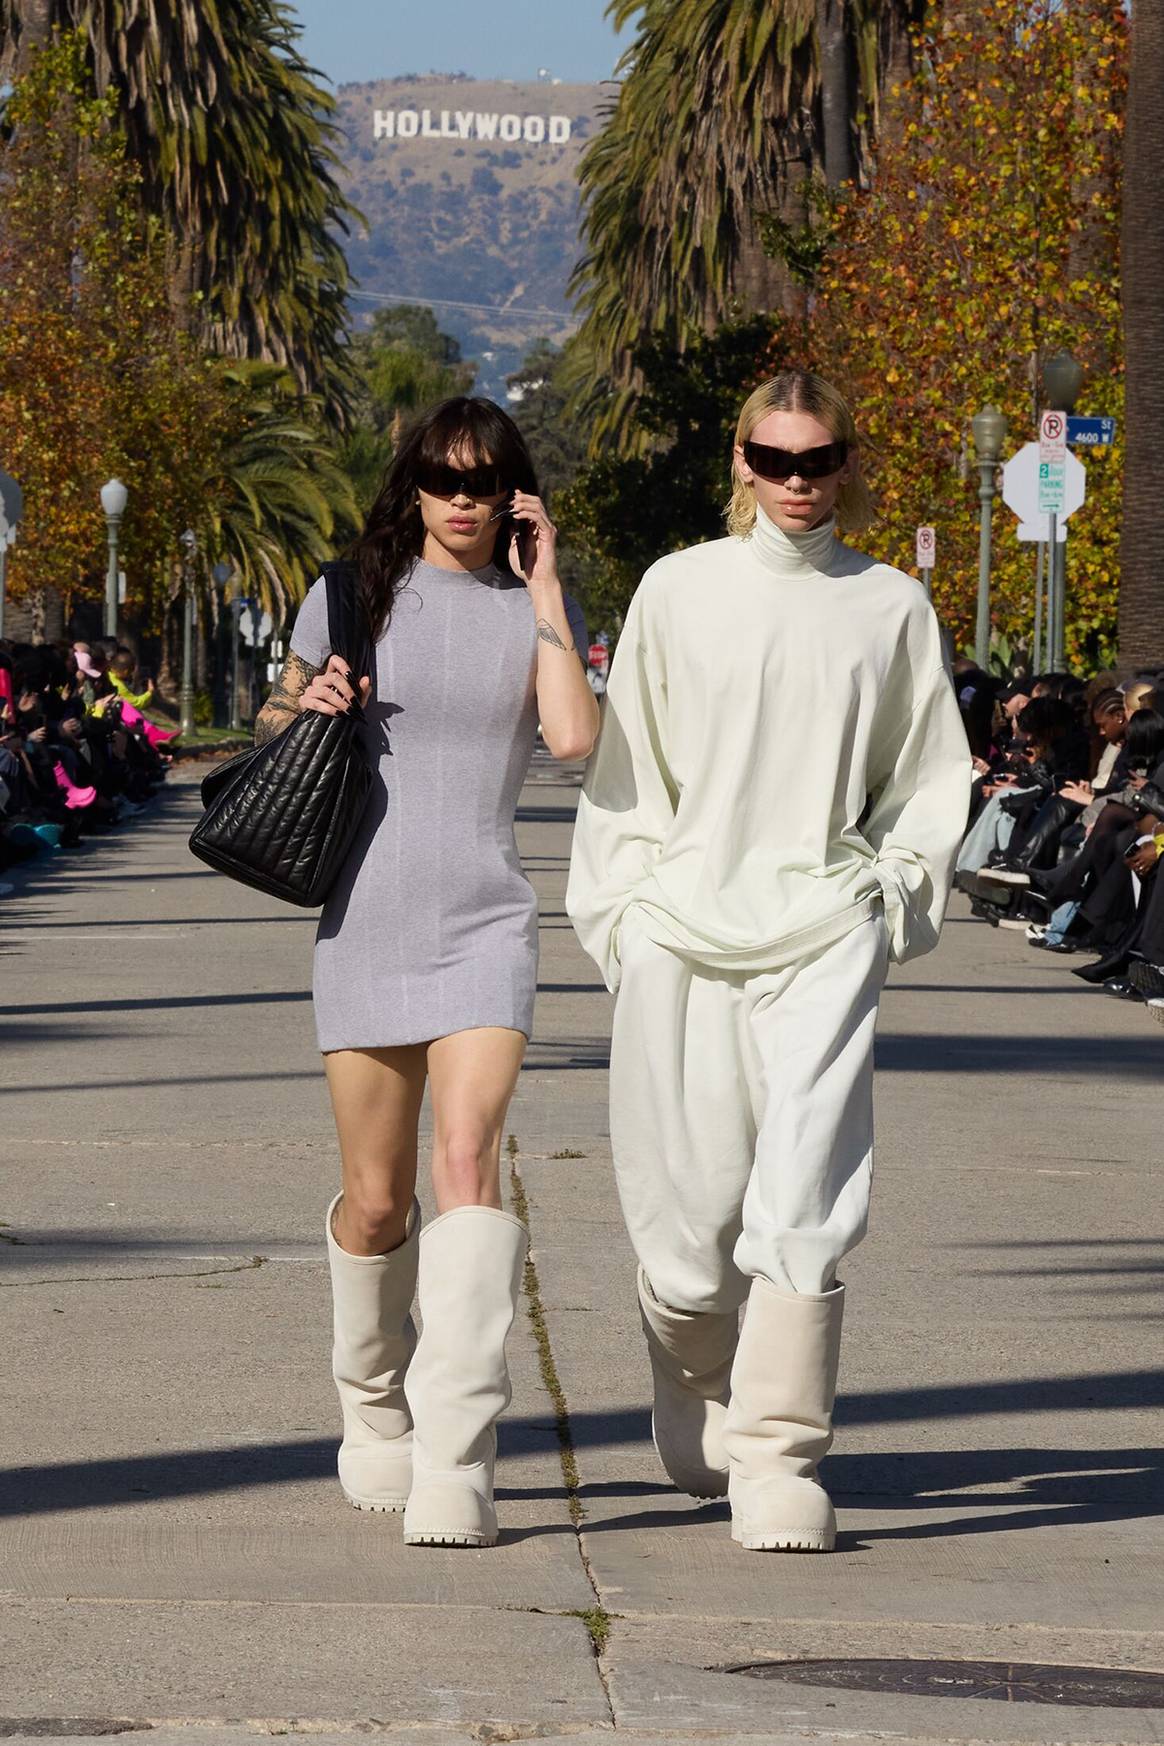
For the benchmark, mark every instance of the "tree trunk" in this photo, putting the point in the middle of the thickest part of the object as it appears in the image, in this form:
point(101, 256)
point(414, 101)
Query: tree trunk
point(38, 614)
point(837, 93)
point(1141, 610)
point(34, 26)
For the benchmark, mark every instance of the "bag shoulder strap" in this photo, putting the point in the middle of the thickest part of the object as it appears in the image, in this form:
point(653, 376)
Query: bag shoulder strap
point(347, 627)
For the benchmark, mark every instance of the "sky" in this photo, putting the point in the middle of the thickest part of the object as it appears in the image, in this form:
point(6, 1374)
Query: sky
point(351, 40)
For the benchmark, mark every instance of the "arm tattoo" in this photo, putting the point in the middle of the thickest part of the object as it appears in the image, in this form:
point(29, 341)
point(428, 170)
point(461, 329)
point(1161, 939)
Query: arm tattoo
point(547, 634)
point(282, 706)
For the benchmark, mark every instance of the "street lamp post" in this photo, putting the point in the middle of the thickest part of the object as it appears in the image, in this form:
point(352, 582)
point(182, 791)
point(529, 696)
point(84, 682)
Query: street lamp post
point(113, 500)
point(188, 541)
point(1062, 380)
point(989, 427)
point(222, 574)
point(11, 509)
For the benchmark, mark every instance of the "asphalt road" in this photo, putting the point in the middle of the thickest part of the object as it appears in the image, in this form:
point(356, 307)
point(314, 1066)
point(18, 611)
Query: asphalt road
point(174, 1551)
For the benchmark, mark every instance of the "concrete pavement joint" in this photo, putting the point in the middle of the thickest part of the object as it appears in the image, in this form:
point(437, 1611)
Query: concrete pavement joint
point(596, 1618)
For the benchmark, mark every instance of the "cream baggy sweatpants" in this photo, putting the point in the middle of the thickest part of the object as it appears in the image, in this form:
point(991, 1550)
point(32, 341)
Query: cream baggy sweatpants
point(741, 1116)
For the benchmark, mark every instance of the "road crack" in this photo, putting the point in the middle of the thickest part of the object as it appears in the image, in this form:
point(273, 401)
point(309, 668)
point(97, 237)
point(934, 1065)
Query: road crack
point(250, 1266)
point(596, 1618)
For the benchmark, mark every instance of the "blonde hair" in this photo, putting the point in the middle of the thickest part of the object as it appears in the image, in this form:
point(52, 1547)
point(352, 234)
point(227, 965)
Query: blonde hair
point(799, 391)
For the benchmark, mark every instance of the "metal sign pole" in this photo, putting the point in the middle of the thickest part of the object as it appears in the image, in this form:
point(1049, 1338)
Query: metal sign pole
point(1037, 639)
point(1052, 592)
point(3, 578)
point(1059, 651)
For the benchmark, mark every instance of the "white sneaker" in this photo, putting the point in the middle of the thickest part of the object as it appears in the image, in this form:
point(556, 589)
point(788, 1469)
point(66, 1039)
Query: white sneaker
point(1036, 931)
point(1017, 924)
point(1005, 876)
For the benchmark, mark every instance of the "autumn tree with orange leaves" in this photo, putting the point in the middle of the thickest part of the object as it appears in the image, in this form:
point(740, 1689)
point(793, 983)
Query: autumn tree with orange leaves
point(989, 240)
point(96, 377)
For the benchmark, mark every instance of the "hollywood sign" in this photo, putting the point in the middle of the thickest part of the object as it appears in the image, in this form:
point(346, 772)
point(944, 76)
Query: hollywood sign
point(468, 124)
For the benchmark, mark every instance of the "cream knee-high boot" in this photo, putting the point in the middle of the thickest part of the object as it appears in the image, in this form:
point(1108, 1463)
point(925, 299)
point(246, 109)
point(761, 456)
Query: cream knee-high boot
point(780, 1421)
point(374, 1339)
point(471, 1265)
point(691, 1361)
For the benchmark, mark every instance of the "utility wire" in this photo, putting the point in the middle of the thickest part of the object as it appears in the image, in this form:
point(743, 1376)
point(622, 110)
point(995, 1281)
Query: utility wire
point(480, 308)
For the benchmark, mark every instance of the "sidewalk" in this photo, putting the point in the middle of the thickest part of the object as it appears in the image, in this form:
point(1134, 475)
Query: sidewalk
point(173, 1548)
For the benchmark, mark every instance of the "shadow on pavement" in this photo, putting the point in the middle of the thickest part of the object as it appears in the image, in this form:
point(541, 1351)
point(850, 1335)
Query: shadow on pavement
point(1068, 1484)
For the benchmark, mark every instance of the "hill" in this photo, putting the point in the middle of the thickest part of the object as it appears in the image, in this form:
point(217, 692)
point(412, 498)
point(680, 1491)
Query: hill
point(469, 191)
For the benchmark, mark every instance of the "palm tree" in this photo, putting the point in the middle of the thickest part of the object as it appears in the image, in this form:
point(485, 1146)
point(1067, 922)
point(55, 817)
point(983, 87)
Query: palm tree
point(732, 116)
point(276, 503)
point(1141, 609)
point(233, 134)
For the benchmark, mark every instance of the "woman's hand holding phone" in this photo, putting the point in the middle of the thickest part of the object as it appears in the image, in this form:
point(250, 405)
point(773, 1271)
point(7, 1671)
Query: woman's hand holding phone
point(533, 551)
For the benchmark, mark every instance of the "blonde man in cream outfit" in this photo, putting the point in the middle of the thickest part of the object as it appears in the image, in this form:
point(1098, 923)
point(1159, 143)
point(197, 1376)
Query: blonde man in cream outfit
point(771, 815)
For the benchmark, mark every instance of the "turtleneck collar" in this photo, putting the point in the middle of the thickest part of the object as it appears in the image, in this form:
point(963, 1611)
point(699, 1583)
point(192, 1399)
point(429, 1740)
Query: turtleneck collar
point(795, 555)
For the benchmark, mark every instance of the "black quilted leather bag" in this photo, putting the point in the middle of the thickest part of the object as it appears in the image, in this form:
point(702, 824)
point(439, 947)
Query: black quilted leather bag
point(281, 816)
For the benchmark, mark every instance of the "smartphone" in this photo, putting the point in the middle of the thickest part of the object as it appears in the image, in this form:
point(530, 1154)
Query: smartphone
point(1132, 849)
point(527, 545)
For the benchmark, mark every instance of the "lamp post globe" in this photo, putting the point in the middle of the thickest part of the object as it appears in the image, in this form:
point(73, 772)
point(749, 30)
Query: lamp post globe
point(989, 428)
point(1062, 379)
point(114, 497)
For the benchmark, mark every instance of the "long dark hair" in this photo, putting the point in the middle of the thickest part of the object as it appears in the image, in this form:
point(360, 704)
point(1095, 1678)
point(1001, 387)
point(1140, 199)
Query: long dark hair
point(393, 538)
point(1144, 744)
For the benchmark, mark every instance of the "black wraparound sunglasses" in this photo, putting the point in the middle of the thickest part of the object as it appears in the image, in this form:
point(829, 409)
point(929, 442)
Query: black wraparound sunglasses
point(440, 480)
point(770, 463)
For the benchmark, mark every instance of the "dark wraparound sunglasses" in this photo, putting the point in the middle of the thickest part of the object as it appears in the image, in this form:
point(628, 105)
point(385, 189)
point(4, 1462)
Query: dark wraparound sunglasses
point(772, 463)
point(440, 480)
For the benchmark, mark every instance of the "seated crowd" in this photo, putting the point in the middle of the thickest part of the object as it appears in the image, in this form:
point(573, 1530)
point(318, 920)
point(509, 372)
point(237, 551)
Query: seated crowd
point(1066, 836)
point(77, 753)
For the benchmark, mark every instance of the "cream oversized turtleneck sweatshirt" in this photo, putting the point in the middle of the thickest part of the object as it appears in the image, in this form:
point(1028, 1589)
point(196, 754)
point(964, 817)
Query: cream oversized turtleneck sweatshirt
point(781, 751)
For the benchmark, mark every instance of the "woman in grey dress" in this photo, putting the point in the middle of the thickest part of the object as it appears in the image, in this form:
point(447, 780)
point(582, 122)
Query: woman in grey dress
point(426, 955)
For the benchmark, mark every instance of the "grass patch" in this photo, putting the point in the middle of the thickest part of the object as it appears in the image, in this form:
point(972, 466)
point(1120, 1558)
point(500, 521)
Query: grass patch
point(597, 1622)
point(546, 1365)
point(567, 1152)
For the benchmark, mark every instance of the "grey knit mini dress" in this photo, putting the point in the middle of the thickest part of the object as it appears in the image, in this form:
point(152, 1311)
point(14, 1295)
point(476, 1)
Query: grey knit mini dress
point(431, 927)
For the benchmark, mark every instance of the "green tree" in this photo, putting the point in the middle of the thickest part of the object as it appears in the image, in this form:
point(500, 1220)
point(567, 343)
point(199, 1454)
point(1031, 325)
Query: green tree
point(540, 406)
point(237, 149)
point(400, 364)
point(539, 403)
point(624, 511)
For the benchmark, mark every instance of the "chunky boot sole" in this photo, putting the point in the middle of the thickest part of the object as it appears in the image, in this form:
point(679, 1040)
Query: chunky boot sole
point(449, 1513)
point(437, 1539)
point(387, 1506)
point(794, 1540)
point(796, 1515)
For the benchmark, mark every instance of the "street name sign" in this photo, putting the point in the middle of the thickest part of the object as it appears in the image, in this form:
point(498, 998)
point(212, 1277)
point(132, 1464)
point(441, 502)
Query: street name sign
point(1091, 433)
point(1020, 492)
point(927, 547)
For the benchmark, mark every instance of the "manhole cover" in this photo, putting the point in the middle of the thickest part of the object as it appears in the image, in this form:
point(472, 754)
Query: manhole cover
point(1010, 1682)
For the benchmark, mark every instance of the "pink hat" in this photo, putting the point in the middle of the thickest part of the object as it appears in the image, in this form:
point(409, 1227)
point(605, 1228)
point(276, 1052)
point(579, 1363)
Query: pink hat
point(84, 662)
